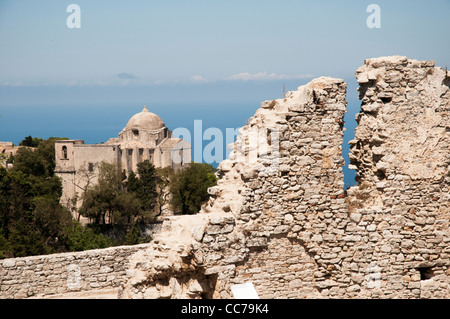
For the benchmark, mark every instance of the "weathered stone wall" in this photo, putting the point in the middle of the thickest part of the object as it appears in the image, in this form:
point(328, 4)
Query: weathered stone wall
point(81, 274)
point(300, 202)
point(79, 168)
point(402, 154)
point(284, 221)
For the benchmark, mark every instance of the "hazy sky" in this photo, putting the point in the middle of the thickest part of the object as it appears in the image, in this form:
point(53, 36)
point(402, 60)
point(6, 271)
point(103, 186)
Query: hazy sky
point(126, 43)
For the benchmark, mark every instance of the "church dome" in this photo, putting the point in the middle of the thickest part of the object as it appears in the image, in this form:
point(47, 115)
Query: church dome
point(145, 120)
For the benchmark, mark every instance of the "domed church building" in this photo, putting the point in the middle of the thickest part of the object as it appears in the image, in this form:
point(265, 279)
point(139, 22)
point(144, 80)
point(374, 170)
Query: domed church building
point(145, 137)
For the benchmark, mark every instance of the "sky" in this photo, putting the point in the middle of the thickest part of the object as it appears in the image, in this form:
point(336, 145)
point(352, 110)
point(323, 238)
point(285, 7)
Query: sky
point(160, 43)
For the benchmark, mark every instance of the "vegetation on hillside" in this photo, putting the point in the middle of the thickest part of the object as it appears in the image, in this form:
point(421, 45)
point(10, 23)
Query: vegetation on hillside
point(32, 221)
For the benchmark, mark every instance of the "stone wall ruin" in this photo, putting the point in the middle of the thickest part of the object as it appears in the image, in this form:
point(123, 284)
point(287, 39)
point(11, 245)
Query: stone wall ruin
point(283, 221)
point(297, 233)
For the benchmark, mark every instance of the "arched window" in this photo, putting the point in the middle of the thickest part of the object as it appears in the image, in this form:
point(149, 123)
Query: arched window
point(64, 152)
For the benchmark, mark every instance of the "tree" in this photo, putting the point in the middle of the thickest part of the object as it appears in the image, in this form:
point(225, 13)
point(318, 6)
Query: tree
point(133, 183)
point(144, 186)
point(126, 208)
point(50, 218)
point(79, 238)
point(26, 240)
point(15, 211)
point(86, 177)
point(98, 200)
point(39, 161)
point(108, 201)
point(190, 187)
point(4, 246)
point(30, 162)
point(134, 236)
point(32, 221)
point(30, 141)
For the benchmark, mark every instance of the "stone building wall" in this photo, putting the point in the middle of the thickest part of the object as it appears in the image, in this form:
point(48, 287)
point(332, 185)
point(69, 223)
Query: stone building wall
point(93, 273)
point(402, 154)
point(78, 167)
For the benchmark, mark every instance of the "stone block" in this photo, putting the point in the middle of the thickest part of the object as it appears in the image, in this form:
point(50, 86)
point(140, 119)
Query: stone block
point(282, 229)
point(356, 217)
point(151, 293)
point(197, 232)
point(9, 263)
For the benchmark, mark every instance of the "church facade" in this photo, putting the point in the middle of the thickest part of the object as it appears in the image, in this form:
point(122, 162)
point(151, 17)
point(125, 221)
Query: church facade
point(145, 137)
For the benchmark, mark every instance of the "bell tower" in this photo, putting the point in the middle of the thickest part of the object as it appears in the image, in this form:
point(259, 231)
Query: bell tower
point(65, 168)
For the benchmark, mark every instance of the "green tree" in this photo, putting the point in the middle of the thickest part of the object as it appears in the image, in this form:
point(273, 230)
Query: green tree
point(133, 183)
point(21, 235)
point(51, 218)
point(30, 141)
point(144, 186)
point(31, 218)
point(134, 236)
point(15, 203)
point(98, 200)
point(5, 250)
point(39, 161)
point(126, 208)
point(190, 185)
point(26, 240)
point(32, 221)
point(30, 162)
point(108, 201)
point(79, 238)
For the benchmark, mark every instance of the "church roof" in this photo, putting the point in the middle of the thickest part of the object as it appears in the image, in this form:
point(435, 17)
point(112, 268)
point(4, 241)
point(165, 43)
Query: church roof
point(145, 120)
point(134, 144)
